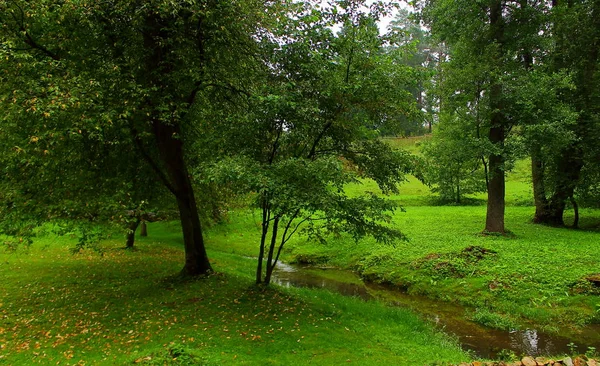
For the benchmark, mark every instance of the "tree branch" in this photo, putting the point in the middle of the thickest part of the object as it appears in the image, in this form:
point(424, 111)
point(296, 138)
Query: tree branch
point(151, 162)
point(29, 39)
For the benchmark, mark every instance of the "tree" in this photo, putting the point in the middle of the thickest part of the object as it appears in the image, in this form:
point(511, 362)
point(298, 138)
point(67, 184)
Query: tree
point(85, 84)
point(452, 160)
point(493, 50)
point(424, 55)
point(558, 172)
point(318, 117)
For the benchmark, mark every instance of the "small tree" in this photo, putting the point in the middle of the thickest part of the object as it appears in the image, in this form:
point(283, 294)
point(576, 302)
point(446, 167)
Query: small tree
point(313, 129)
point(453, 161)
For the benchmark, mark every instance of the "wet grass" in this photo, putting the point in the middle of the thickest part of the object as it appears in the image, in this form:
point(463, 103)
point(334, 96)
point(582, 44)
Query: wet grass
point(125, 307)
point(536, 276)
point(119, 307)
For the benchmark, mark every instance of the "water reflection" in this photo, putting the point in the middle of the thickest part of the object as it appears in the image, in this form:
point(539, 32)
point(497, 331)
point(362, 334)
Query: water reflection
point(484, 342)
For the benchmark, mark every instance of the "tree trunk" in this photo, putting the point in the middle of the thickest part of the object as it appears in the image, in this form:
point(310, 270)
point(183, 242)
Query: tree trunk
point(458, 188)
point(266, 217)
point(168, 137)
point(539, 187)
point(270, 261)
point(131, 233)
point(570, 166)
point(494, 222)
point(575, 213)
point(144, 229)
point(170, 147)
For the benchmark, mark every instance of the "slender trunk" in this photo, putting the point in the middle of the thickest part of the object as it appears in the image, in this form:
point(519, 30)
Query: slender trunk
point(494, 222)
point(263, 238)
point(458, 188)
point(131, 233)
point(144, 229)
point(429, 127)
point(285, 237)
point(270, 262)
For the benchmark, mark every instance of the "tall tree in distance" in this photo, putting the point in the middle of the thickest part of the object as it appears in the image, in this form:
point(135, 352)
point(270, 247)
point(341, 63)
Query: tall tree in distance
point(491, 58)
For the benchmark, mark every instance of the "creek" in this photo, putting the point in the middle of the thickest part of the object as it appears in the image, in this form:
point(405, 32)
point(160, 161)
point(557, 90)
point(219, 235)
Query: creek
point(484, 342)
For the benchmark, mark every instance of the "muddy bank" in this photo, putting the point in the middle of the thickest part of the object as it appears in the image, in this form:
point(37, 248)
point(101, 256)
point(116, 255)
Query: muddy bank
point(482, 341)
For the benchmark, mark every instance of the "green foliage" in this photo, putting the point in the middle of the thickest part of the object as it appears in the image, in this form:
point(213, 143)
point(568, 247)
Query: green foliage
point(313, 127)
point(453, 158)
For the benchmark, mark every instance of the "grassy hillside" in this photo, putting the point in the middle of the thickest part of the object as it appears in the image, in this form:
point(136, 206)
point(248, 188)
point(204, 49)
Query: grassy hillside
point(114, 306)
point(536, 275)
point(123, 307)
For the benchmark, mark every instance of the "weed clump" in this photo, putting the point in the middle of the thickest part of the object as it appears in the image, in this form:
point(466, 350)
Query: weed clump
point(588, 285)
point(455, 264)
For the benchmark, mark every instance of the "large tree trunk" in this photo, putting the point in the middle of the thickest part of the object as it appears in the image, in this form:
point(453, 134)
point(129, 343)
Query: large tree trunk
point(169, 140)
point(570, 166)
point(575, 213)
point(170, 147)
point(494, 222)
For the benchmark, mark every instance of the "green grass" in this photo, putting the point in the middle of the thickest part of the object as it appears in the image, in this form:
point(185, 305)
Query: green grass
point(536, 275)
point(119, 307)
point(124, 307)
point(411, 144)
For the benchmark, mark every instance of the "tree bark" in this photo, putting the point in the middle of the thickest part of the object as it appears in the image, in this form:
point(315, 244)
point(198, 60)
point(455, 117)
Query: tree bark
point(131, 233)
point(575, 213)
point(494, 222)
point(170, 147)
point(266, 216)
point(143, 229)
point(270, 262)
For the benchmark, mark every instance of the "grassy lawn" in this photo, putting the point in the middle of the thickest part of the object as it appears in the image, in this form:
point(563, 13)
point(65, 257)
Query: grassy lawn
point(117, 307)
point(122, 307)
point(533, 277)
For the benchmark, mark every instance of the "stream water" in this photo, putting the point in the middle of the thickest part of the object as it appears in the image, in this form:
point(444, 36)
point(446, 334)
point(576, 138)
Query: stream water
point(483, 341)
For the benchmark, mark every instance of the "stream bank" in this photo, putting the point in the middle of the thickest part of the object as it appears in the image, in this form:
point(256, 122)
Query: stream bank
point(482, 341)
